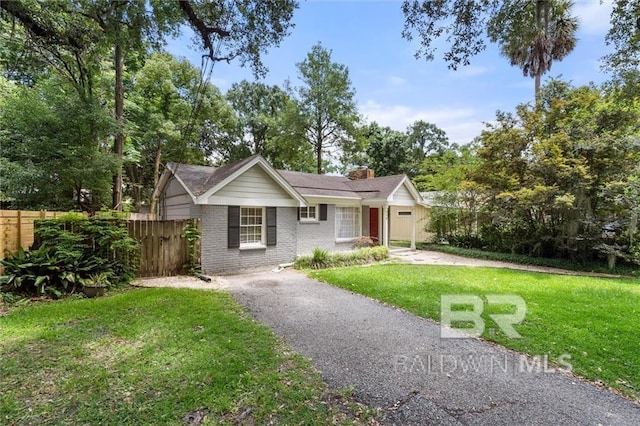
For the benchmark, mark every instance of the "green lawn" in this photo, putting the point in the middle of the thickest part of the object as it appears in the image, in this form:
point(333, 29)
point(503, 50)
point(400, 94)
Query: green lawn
point(151, 357)
point(594, 320)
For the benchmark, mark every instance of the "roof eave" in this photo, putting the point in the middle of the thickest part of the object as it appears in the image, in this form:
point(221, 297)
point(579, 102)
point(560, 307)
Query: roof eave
point(258, 160)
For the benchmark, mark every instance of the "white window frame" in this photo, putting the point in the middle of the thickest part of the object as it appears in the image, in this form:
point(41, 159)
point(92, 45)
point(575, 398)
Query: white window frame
point(357, 227)
point(404, 213)
point(244, 213)
point(304, 213)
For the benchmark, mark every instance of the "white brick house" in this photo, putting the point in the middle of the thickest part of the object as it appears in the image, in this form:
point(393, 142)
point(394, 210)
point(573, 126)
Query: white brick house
point(255, 216)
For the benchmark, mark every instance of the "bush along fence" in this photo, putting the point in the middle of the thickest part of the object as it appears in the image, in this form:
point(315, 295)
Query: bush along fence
point(72, 253)
point(163, 248)
point(17, 229)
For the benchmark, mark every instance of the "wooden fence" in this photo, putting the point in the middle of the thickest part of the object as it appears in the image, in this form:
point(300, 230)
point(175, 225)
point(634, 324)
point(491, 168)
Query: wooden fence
point(163, 249)
point(16, 228)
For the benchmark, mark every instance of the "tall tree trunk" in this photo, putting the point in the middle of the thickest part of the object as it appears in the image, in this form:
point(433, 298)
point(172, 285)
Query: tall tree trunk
point(319, 157)
point(156, 170)
point(540, 25)
point(118, 144)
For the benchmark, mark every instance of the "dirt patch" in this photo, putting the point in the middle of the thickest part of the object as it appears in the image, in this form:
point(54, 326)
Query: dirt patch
point(182, 281)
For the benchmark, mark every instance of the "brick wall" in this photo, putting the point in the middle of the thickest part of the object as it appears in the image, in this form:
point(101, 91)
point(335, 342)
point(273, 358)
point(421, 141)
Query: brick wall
point(321, 234)
point(217, 258)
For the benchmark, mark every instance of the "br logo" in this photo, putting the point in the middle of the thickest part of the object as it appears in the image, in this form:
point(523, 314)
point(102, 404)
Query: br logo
point(505, 322)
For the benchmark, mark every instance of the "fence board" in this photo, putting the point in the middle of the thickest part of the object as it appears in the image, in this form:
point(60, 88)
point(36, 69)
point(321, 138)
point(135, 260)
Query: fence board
point(163, 249)
point(16, 228)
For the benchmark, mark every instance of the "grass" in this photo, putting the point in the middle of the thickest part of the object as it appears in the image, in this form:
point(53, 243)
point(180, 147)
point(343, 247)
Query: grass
point(620, 268)
point(154, 356)
point(594, 320)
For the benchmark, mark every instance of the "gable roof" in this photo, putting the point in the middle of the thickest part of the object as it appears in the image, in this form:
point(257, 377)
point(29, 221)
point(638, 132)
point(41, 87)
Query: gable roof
point(203, 181)
point(199, 179)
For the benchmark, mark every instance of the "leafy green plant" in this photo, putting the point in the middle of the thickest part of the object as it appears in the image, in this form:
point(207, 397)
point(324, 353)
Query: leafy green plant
point(100, 279)
point(29, 271)
point(191, 233)
point(323, 259)
point(69, 253)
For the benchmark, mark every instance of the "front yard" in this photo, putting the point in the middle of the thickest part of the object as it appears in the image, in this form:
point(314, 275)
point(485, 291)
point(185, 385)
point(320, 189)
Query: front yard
point(156, 356)
point(593, 320)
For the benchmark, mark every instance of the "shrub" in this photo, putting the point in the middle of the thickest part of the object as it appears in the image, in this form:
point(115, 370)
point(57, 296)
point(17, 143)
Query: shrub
point(323, 259)
point(364, 242)
point(69, 252)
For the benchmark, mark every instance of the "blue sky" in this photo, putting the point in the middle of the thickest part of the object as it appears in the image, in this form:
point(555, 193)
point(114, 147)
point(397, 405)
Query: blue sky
point(395, 89)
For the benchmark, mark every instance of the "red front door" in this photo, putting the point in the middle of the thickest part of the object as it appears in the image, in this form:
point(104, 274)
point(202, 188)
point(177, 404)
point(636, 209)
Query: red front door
point(374, 224)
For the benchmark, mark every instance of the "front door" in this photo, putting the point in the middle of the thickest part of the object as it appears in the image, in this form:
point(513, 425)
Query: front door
point(374, 228)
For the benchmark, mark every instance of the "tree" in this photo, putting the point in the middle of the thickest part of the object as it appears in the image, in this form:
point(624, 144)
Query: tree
point(446, 170)
point(555, 175)
point(49, 157)
point(325, 99)
point(388, 152)
point(69, 33)
point(624, 35)
point(424, 139)
point(165, 123)
point(532, 34)
point(256, 106)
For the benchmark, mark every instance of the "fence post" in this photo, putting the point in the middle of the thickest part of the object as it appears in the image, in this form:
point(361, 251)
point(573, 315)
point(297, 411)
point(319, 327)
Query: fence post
point(19, 229)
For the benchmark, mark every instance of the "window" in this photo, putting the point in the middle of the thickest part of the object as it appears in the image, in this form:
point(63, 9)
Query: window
point(348, 224)
point(404, 213)
point(308, 214)
point(251, 226)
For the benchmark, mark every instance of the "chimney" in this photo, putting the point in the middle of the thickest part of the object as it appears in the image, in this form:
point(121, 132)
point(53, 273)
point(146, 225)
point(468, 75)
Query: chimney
point(361, 173)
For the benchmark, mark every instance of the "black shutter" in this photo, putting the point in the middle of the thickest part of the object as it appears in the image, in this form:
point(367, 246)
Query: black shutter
point(233, 227)
point(271, 226)
point(323, 212)
point(298, 212)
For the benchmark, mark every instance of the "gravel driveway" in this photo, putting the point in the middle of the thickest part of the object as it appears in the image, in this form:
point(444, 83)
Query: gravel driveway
point(398, 362)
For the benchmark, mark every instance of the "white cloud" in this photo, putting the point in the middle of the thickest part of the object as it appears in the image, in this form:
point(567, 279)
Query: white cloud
point(394, 80)
point(461, 124)
point(221, 83)
point(593, 16)
point(471, 71)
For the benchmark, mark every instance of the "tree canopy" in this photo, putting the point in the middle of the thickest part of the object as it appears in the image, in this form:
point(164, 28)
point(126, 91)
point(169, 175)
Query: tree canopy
point(328, 113)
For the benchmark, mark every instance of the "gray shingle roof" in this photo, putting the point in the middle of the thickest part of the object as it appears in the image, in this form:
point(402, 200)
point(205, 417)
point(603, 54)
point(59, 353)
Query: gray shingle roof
point(200, 179)
point(309, 184)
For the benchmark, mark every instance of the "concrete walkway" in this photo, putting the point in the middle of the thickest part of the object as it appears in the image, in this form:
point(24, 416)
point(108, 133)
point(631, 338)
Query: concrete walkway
point(426, 257)
point(399, 362)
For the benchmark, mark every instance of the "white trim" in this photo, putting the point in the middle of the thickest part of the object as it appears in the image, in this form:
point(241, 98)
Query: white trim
point(263, 230)
point(164, 180)
point(316, 216)
point(250, 202)
point(267, 168)
point(335, 221)
point(412, 189)
point(253, 246)
point(345, 240)
point(322, 199)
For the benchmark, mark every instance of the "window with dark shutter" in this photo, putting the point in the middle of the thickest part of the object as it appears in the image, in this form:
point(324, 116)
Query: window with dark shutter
point(233, 227)
point(272, 219)
point(323, 212)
